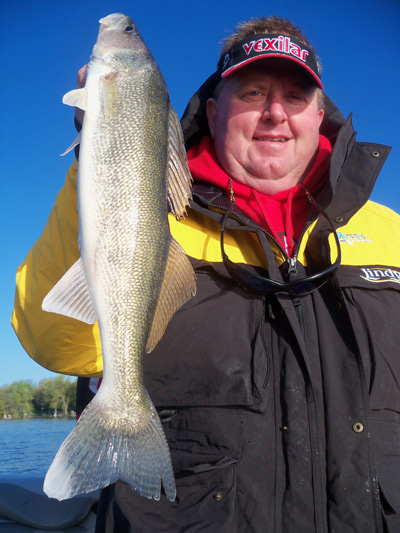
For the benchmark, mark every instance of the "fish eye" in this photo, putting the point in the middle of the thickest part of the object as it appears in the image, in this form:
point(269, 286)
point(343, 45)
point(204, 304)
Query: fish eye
point(129, 28)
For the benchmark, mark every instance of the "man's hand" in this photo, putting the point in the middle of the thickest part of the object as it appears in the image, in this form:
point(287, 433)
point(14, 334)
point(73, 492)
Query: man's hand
point(80, 82)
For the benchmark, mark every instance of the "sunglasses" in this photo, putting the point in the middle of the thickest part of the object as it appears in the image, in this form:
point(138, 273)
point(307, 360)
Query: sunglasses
point(265, 286)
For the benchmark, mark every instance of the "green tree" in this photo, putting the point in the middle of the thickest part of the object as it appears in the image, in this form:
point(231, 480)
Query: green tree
point(17, 399)
point(71, 395)
point(3, 401)
point(22, 398)
point(54, 394)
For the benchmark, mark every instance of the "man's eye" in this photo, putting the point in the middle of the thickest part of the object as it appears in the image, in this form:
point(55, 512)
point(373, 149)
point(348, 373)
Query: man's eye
point(301, 94)
point(298, 98)
point(253, 95)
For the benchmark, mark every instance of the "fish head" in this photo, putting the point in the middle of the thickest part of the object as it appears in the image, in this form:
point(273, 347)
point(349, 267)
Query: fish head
point(117, 34)
point(117, 22)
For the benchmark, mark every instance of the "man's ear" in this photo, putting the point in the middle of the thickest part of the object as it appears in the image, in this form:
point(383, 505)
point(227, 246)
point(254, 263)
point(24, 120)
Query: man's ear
point(211, 108)
point(321, 114)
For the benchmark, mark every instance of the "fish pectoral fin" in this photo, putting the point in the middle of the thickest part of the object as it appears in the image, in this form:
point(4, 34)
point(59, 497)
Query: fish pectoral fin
point(70, 296)
point(179, 179)
point(178, 286)
point(110, 96)
point(76, 98)
point(76, 141)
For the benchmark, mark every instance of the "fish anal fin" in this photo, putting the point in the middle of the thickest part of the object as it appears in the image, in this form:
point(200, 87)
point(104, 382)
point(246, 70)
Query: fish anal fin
point(70, 296)
point(179, 178)
point(178, 286)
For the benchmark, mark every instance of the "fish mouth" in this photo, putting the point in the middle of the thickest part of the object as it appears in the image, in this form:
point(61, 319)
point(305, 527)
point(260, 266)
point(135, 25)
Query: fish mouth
point(113, 19)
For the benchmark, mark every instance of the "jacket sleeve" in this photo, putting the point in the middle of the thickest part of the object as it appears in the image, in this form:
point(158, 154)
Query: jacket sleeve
point(58, 343)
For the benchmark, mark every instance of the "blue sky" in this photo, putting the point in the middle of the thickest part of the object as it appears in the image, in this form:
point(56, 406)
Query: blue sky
point(44, 43)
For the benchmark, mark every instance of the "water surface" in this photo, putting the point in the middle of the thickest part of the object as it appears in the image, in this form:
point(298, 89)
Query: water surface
point(27, 447)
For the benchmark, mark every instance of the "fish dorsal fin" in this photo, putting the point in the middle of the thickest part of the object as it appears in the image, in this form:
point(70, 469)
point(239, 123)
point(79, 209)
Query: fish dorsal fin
point(179, 177)
point(76, 98)
point(178, 286)
point(70, 296)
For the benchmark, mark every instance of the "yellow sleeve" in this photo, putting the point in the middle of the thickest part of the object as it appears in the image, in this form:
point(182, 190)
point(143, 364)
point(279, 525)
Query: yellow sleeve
point(58, 343)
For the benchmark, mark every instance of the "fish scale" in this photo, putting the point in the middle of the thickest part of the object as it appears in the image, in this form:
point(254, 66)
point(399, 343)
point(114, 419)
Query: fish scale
point(132, 276)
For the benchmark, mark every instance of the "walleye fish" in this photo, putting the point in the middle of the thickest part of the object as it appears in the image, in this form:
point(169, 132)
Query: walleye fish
point(132, 275)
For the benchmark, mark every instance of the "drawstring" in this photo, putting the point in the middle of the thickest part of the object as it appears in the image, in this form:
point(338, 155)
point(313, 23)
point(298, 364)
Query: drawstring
point(232, 196)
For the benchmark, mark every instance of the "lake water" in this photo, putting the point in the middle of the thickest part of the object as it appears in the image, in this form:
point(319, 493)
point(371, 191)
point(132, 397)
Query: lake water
point(27, 447)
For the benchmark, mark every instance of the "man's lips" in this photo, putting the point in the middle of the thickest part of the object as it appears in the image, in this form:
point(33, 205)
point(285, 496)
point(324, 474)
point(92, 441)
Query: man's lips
point(270, 139)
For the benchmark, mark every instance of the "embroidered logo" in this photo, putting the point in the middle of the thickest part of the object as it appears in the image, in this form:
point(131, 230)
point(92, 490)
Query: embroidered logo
point(352, 238)
point(278, 44)
point(226, 59)
point(379, 275)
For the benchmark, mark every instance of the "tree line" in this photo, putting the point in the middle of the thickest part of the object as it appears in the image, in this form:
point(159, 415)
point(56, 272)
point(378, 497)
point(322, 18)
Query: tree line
point(52, 397)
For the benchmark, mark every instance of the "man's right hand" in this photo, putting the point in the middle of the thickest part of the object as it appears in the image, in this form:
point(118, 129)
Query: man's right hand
point(80, 82)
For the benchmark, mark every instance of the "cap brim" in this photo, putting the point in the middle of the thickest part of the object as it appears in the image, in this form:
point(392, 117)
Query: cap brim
point(231, 70)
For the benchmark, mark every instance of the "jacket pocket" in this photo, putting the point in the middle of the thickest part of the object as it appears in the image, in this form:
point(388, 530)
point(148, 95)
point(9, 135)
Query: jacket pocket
point(373, 303)
point(206, 501)
point(388, 468)
point(386, 447)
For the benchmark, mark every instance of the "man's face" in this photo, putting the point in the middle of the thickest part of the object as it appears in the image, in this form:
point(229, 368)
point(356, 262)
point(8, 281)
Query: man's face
point(265, 125)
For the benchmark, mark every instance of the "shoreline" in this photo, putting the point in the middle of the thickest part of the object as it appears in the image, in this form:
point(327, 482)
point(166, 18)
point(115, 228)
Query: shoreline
point(41, 417)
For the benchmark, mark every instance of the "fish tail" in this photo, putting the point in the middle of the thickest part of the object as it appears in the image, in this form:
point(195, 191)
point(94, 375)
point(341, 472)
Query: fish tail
point(104, 448)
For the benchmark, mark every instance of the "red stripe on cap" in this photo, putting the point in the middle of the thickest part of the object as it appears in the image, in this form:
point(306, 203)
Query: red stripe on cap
point(228, 72)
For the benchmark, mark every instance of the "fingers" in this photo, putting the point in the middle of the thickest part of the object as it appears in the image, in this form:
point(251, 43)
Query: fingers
point(80, 82)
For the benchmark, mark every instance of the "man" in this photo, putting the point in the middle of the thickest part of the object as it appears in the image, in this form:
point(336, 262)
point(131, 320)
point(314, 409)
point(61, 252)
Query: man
point(278, 384)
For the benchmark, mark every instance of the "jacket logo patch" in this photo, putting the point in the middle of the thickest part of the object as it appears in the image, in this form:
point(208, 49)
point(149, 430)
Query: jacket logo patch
point(352, 238)
point(379, 275)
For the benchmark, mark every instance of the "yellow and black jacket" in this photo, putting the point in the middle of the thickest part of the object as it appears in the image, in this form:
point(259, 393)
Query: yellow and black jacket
point(282, 413)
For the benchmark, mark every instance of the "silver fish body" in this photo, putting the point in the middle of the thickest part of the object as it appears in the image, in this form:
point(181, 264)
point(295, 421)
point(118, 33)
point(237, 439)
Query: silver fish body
point(132, 276)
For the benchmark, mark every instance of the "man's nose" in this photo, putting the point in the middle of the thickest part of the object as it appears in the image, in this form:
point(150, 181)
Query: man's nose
point(274, 110)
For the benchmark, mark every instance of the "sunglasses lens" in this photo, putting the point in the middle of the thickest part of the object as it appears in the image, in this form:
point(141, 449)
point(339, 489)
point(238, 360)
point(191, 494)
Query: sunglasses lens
point(249, 282)
point(265, 286)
